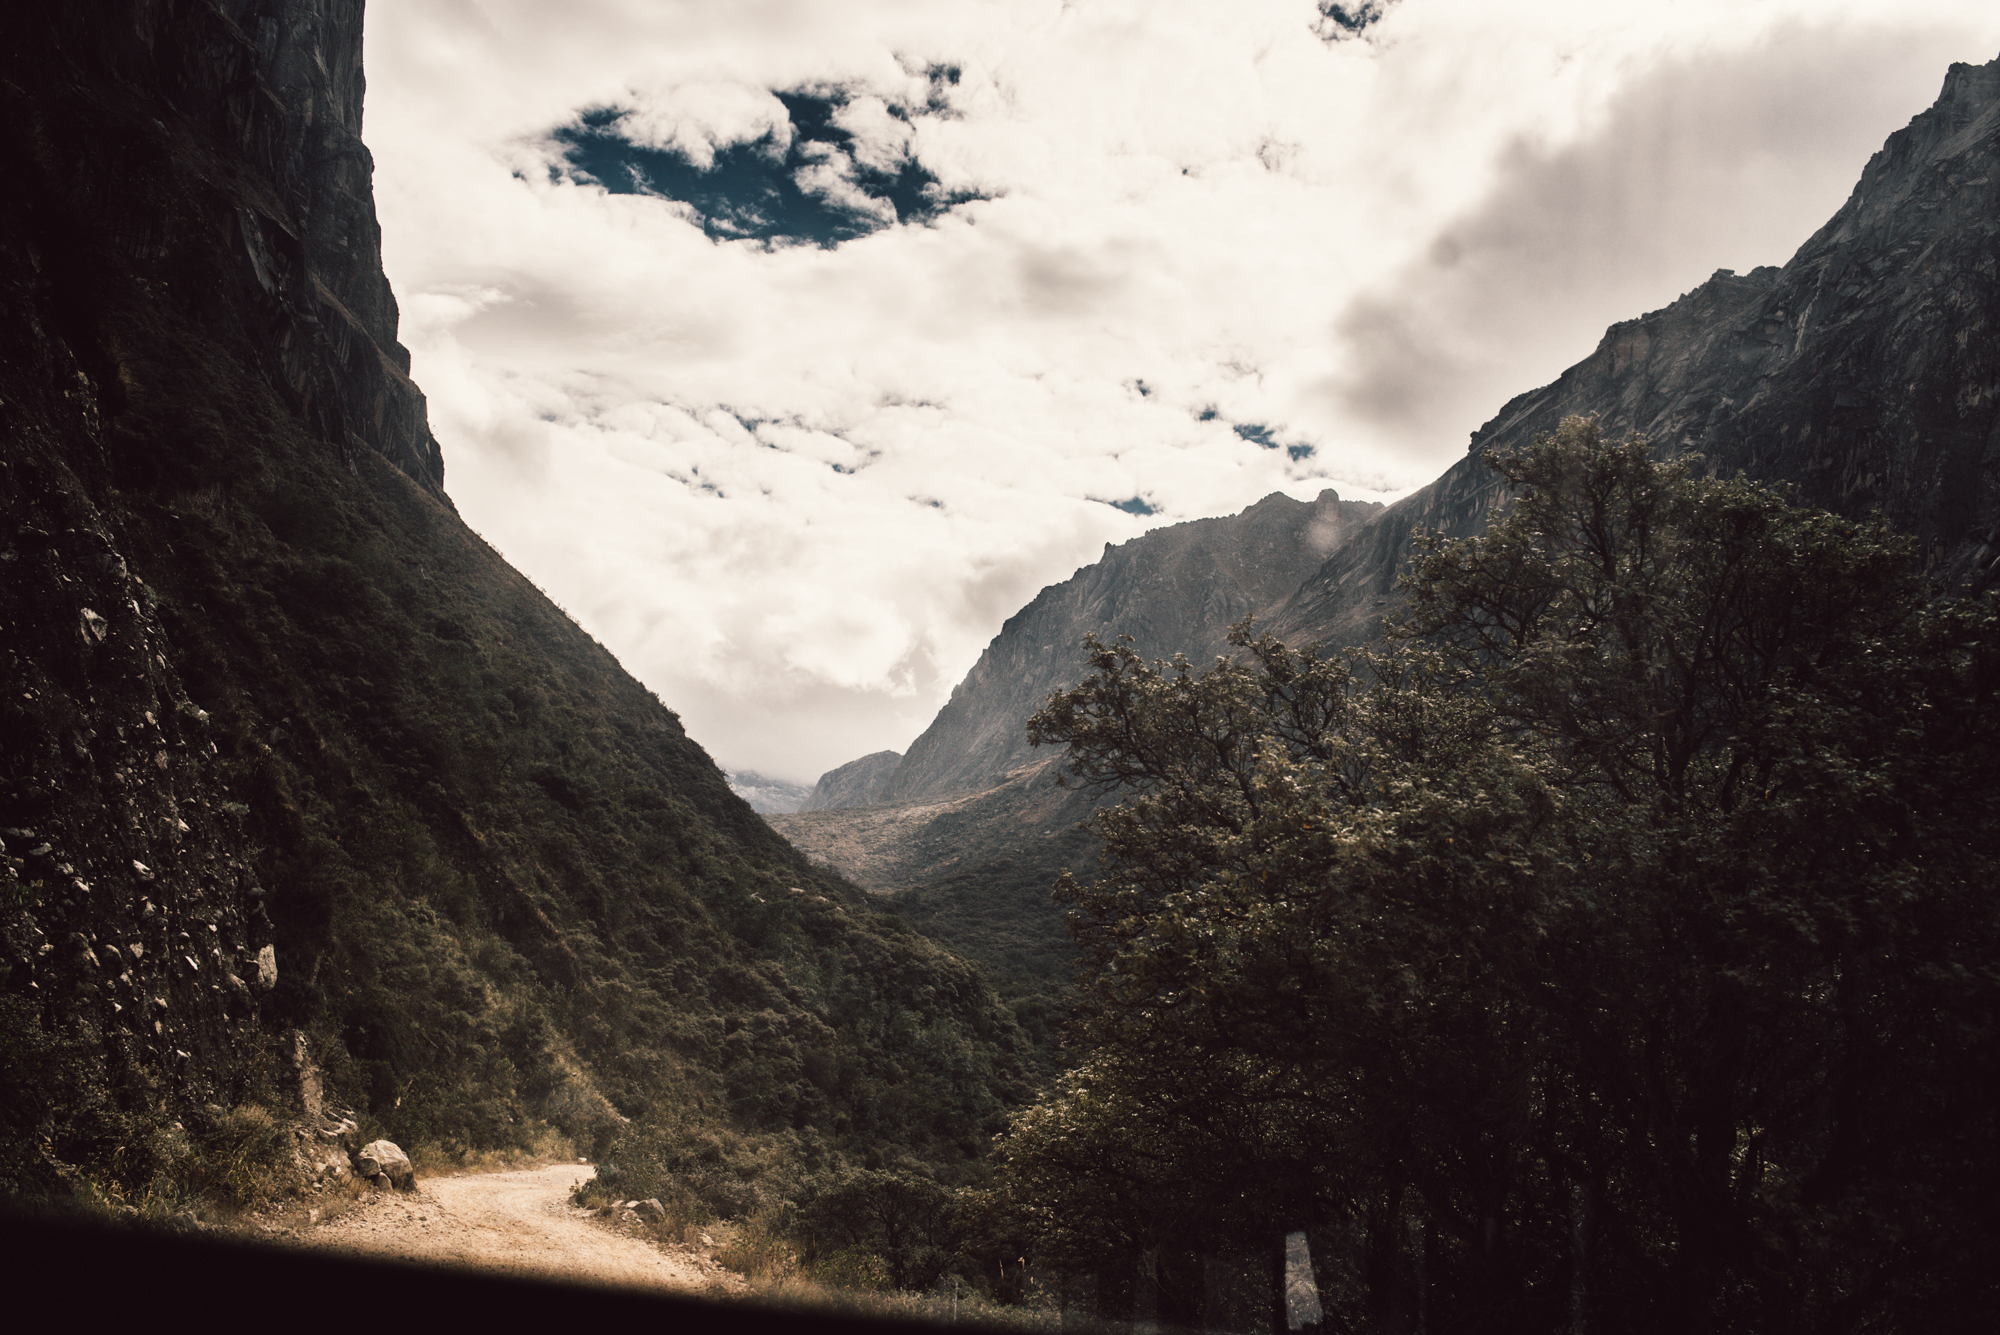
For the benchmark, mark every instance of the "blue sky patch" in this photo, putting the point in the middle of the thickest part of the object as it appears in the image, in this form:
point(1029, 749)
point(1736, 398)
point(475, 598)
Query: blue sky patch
point(751, 191)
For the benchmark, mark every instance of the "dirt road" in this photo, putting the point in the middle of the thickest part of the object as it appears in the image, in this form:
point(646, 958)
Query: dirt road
point(518, 1223)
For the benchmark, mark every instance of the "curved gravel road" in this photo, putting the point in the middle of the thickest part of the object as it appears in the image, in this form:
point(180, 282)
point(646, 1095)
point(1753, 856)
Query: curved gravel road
point(517, 1223)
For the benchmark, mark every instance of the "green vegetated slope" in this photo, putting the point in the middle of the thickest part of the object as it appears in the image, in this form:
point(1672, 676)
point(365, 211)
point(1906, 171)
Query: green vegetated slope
point(974, 872)
point(301, 783)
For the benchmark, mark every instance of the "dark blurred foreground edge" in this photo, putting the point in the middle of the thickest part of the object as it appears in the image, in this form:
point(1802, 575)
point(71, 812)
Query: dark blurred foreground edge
point(61, 1273)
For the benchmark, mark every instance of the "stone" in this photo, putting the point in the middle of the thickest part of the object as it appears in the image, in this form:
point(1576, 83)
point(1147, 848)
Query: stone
point(382, 1158)
point(649, 1209)
point(267, 968)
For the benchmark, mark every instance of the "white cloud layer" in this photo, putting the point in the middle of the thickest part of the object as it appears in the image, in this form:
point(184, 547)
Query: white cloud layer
point(796, 490)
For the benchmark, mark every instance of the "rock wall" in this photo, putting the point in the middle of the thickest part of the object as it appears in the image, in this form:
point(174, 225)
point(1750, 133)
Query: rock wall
point(216, 144)
point(187, 175)
point(1865, 373)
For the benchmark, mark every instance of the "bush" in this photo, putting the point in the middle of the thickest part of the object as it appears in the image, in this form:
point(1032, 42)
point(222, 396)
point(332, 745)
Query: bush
point(239, 1157)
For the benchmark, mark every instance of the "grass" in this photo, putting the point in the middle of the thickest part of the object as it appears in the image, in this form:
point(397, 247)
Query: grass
point(544, 1145)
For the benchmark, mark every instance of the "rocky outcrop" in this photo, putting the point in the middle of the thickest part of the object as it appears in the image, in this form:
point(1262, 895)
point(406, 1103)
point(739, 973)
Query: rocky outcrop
point(1865, 373)
point(858, 783)
point(1175, 590)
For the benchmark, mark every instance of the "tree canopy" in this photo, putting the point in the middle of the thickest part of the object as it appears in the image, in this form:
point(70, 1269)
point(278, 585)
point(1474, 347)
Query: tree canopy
point(1615, 948)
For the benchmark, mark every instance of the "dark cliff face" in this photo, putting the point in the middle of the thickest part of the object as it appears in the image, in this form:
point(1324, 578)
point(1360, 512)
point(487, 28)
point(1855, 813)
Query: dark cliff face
point(188, 257)
point(1865, 372)
point(1174, 590)
point(301, 786)
point(215, 149)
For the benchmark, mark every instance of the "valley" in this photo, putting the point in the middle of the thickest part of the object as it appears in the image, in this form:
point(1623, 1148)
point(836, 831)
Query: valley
point(322, 824)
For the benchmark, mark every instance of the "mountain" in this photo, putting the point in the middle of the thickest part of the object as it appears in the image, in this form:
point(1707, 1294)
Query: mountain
point(1865, 373)
point(1176, 589)
point(973, 872)
point(968, 830)
point(308, 800)
point(858, 783)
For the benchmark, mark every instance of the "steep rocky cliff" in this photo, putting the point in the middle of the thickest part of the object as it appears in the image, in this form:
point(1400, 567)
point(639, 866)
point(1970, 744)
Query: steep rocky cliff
point(303, 791)
point(1865, 372)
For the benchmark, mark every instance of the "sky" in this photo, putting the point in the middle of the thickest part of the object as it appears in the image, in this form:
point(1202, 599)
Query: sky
point(793, 345)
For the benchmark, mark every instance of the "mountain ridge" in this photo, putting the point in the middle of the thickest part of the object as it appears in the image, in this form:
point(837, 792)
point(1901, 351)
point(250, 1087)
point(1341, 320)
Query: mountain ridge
point(1174, 589)
point(1864, 372)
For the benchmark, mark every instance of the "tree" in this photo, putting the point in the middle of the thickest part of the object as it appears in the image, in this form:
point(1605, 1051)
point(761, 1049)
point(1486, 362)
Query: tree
point(1618, 939)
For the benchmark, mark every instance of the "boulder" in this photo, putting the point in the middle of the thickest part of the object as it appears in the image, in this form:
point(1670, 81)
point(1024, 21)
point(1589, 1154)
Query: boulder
point(649, 1209)
point(382, 1159)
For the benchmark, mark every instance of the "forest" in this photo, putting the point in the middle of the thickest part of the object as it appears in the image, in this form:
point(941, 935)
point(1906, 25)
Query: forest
point(1611, 947)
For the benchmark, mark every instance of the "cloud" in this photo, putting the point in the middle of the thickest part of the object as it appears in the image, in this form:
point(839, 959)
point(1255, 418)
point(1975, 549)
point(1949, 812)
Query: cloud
point(1081, 269)
point(1708, 160)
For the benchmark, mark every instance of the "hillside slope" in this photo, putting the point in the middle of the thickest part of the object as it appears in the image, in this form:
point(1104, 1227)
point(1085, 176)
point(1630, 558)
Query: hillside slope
point(973, 872)
point(305, 794)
